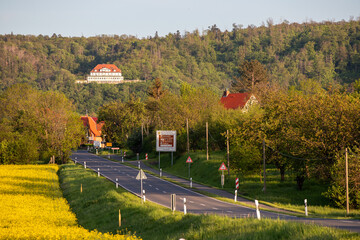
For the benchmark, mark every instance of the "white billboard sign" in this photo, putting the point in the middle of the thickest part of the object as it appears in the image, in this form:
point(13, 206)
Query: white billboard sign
point(165, 141)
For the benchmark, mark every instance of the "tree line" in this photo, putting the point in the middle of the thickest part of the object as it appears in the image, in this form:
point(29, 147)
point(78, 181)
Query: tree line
point(327, 52)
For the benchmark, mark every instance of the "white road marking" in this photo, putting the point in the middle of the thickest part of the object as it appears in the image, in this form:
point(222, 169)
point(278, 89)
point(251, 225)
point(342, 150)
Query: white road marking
point(150, 185)
point(215, 208)
point(229, 211)
point(191, 201)
point(202, 204)
point(164, 191)
point(156, 188)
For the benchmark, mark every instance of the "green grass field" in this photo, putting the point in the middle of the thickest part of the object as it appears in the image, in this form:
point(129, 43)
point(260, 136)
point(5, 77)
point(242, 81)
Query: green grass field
point(98, 205)
point(281, 194)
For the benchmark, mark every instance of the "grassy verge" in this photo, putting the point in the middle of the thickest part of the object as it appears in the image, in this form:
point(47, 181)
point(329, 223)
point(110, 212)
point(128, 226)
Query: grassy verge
point(32, 206)
point(98, 205)
point(279, 194)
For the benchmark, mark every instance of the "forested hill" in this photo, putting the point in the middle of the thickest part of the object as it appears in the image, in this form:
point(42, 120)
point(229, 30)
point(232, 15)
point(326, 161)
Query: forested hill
point(327, 52)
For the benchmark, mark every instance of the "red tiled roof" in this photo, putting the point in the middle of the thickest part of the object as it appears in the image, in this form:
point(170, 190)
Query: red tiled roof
point(112, 67)
point(90, 122)
point(235, 100)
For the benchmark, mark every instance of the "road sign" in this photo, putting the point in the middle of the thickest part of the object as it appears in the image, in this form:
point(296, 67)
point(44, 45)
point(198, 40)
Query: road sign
point(223, 167)
point(141, 175)
point(237, 183)
point(165, 141)
point(189, 160)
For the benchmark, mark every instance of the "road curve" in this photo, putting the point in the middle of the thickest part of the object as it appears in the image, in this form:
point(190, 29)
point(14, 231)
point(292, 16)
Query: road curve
point(159, 191)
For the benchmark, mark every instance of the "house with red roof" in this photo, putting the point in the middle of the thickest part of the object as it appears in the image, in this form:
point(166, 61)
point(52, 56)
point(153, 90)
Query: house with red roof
point(105, 73)
point(238, 100)
point(93, 129)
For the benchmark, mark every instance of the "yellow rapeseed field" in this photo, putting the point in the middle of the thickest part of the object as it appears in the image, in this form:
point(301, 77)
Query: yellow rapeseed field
point(32, 206)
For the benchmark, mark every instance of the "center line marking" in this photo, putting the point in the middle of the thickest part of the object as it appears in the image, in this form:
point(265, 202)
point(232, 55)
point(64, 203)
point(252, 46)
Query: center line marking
point(150, 185)
point(215, 208)
point(164, 191)
point(202, 204)
point(156, 188)
point(229, 211)
point(191, 202)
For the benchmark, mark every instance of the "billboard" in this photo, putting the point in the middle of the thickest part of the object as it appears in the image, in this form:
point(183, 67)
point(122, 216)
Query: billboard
point(165, 141)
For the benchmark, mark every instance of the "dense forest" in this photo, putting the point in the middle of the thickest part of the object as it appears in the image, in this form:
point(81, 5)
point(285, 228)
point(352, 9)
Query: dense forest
point(327, 53)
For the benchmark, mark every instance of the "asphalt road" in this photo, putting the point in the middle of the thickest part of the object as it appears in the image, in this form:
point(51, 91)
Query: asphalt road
point(159, 191)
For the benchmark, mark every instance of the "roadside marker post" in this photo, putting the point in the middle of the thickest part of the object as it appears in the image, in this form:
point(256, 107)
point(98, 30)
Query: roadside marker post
point(306, 209)
point(84, 164)
point(235, 199)
point(189, 160)
point(173, 202)
point(144, 195)
point(117, 184)
point(257, 209)
point(139, 164)
point(146, 157)
point(137, 156)
point(98, 172)
point(191, 182)
point(122, 159)
point(160, 172)
point(185, 206)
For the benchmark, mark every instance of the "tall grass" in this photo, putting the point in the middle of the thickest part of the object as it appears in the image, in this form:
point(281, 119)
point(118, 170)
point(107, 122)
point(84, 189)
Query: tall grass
point(98, 205)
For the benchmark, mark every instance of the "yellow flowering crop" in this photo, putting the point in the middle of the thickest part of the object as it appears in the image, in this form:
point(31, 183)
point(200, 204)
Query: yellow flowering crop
point(32, 206)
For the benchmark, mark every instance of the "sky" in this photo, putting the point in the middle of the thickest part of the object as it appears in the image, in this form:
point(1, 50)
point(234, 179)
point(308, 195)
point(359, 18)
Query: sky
point(143, 18)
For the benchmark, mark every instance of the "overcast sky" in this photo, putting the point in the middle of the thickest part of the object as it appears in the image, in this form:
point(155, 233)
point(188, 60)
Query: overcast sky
point(143, 18)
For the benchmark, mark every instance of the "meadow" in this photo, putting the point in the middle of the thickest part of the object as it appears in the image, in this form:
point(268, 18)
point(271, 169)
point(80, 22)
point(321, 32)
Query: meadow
point(97, 206)
point(32, 206)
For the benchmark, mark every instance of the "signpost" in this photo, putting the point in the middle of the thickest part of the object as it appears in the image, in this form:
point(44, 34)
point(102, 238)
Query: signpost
point(189, 160)
point(141, 175)
point(222, 168)
point(165, 142)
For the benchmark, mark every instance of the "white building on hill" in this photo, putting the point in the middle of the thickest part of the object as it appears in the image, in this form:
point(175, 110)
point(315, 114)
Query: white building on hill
point(105, 73)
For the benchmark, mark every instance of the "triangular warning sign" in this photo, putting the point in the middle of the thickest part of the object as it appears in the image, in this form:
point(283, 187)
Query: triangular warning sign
point(141, 175)
point(223, 167)
point(189, 160)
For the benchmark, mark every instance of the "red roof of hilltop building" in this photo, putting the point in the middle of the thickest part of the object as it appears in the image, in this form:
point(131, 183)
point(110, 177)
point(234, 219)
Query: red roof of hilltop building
point(235, 100)
point(112, 68)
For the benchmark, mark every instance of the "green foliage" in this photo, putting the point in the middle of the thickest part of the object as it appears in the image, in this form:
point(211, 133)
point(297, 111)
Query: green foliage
point(337, 189)
point(36, 125)
point(326, 52)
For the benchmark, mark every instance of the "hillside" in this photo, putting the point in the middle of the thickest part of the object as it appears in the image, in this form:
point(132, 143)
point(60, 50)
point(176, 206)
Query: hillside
point(326, 52)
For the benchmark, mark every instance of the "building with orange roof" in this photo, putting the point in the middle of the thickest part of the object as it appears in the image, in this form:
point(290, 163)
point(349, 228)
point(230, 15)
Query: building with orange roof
point(93, 129)
point(105, 73)
point(238, 100)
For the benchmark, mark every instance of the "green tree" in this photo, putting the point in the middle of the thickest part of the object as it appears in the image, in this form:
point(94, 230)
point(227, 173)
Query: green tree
point(252, 73)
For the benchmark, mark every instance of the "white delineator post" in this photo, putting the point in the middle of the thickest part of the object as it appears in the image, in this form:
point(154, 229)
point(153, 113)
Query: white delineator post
point(235, 199)
point(98, 172)
point(117, 184)
point(160, 172)
point(190, 182)
point(185, 206)
point(139, 164)
point(257, 209)
point(84, 164)
point(144, 195)
point(306, 210)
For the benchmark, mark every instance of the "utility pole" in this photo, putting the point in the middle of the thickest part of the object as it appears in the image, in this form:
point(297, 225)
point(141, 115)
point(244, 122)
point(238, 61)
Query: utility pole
point(264, 166)
point(347, 180)
point(207, 141)
point(187, 131)
point(142, 134)
point(228, 150)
